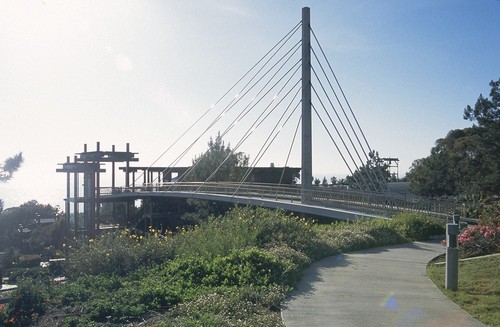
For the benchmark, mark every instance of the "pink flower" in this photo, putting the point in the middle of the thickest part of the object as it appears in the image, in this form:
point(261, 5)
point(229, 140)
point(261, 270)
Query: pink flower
point(488, 232)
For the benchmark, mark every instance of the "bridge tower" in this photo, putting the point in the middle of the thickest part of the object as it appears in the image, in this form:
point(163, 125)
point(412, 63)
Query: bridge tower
point(89, 163)
point(306, 174)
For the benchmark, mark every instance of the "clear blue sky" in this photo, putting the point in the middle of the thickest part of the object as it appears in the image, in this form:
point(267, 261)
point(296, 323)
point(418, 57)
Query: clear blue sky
point(75, 72)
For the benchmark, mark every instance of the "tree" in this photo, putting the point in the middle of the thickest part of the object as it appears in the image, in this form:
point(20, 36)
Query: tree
point(29, 215)
point(218, 163)
point(486, 111)
point(372, 176)
point(466, 161)
point(10, 166)
point(324, 182)
point(433, 176)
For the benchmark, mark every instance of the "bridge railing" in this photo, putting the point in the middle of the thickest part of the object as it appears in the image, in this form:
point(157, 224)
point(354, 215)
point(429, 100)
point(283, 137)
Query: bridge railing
point(340, 198)
point(387, 204)
point(267, 191)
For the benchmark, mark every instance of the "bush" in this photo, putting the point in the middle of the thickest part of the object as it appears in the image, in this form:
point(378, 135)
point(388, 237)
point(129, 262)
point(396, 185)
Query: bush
point(36, 273)
point(28, 302)
point(479, 240)
point(244, 227)
point(85, 287)
point(118, 253)
point(361, 234)
point(216, 235)
point(116, 299)
point(417, 227)
point(104, 298)
point(241, 267)
point(292, 260)
point(227, 271)
point(490, 214)
point(242, 306)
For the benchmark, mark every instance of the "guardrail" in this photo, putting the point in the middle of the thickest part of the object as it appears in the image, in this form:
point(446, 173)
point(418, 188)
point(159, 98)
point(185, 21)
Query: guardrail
point(387, 204)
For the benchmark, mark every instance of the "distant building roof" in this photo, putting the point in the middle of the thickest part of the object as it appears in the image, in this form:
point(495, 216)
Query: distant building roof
point(46, 220)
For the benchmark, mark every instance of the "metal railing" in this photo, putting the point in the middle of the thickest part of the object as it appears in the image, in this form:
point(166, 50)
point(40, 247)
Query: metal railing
point(387, 204)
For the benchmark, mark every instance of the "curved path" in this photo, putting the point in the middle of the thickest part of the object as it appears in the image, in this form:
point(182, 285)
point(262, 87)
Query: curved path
point(385, 286)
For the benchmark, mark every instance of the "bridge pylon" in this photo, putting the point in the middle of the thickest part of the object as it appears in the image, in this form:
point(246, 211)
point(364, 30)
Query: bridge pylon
point(306, 173)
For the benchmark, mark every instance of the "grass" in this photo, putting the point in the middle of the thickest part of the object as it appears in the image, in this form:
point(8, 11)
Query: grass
point(478, 287)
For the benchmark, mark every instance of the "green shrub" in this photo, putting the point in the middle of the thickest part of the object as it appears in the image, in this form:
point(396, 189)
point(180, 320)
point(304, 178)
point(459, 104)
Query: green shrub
point(29, 301)
point(120, 306)
point(29, 261)
point(116, 299)
point(76, 321)
point(242, 306)
point(118, 253)
point(158, 295)
point(490, 213)
point(86, 287)
point(361, 234)
point(216, 236)
point(36, 273)
point(292, 260)
point(227, 271)
point(417, 227)
point(241, 267)
point(247, 267)
point(244, 227)
point(104, 298)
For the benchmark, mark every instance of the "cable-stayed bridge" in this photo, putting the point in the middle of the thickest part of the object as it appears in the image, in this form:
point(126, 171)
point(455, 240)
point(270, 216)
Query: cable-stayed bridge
point(276, 101)
point(327, 202)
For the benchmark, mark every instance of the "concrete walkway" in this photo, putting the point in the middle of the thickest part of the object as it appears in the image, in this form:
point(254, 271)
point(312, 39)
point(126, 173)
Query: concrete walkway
point(384, 286)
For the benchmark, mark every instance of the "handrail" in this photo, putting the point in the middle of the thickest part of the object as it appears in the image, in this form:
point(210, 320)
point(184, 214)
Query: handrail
point(383, 204)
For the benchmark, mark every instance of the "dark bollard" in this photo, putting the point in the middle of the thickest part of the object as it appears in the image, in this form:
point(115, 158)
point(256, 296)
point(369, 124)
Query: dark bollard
point(451, 278)
point(456, 219)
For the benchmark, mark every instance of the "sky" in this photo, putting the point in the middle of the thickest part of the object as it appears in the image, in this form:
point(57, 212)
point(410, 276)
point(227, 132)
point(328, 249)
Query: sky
point(141, 72)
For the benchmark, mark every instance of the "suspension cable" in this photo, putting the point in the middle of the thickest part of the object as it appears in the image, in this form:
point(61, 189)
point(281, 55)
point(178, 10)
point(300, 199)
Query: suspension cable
point(276, 48)
point(336, 146)
point(345, 130)
point(262, 151)
point(291, 145)
point(348, 105)
point(338, 133)
point(256, 122)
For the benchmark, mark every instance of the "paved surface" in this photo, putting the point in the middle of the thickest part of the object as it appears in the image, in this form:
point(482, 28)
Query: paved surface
point(384, 286)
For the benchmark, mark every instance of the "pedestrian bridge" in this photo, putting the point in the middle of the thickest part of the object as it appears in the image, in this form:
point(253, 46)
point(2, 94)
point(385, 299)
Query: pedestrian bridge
point(289, 87)
point(329, 202)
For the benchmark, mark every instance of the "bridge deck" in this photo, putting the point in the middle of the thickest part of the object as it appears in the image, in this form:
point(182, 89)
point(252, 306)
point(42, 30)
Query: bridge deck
point(322, 201)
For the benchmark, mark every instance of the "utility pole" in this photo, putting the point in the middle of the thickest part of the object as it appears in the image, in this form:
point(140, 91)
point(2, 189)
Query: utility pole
point(306, 174)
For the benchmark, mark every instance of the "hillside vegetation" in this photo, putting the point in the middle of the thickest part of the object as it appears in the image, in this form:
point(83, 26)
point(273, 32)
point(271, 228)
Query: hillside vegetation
point(232, 270)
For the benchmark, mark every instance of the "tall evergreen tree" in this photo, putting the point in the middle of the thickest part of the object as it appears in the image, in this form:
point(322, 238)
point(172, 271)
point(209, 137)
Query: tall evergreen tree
point(466, 161)
point(218, 163)
point(10, 166)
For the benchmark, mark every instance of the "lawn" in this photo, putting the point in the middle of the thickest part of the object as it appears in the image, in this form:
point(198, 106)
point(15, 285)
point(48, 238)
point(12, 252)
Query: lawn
point(478, 287)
